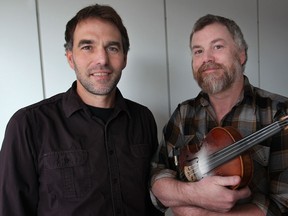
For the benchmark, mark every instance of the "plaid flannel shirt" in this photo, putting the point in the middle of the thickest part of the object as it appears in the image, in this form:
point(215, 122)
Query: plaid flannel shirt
point(257, 108)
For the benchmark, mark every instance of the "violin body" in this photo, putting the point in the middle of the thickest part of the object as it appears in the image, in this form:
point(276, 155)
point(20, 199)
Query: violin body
point(198, 161)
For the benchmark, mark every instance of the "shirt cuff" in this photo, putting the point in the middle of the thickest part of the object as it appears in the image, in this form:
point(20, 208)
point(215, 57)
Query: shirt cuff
point(166, 173)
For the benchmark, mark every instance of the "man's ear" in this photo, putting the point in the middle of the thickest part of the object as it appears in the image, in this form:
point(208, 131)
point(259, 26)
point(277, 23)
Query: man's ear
point(125, 62)
point(69, 57)
point(243, 57)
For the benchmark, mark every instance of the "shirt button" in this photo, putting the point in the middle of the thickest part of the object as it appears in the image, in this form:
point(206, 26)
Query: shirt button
point(118, 211)
point(115, 180)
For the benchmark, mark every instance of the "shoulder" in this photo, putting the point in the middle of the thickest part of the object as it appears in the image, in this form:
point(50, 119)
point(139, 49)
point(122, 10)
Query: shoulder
point(38, 107)
point(266, 98)
point(269, 95)
point(29, 119)
point(135, 107)
point(270, 103)
point(140, 113)
point(132, 107)
point(190, 106)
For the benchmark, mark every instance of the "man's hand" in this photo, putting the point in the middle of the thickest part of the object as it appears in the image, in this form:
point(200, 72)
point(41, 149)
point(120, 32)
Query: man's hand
point(213, 193)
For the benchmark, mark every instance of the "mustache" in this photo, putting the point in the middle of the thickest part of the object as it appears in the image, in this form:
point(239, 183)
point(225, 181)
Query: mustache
point(99, 68)
point(209, 65)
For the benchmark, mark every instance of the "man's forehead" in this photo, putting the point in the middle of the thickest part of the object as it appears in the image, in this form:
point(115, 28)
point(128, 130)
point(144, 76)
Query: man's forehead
point(211, 33)
point(90, 29)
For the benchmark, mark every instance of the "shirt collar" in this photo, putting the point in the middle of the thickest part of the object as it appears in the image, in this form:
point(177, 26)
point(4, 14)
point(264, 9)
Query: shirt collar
point(73, 103)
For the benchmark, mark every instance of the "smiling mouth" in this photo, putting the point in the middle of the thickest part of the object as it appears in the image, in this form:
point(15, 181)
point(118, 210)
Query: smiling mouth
point(209, 67)
point(209, 70)
point(100, 74)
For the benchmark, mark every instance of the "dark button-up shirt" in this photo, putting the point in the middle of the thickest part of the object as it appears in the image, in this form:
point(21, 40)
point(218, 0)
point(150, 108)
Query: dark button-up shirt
point(59, 159)
point(256, 109)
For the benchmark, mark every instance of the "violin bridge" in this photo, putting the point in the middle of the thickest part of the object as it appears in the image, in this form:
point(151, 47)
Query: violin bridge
point(193, 170)
point(190, 173)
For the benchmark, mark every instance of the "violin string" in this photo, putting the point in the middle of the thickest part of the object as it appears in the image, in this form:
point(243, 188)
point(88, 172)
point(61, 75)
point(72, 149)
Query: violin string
point(217, 156)
point(239, 147)
point(257, 137)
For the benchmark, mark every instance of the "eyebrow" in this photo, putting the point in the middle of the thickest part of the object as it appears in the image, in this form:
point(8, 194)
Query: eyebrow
point(110, 43)
point(218, 40)
point(212, 42)
point(84, 41)
point(114, 43)
point(195, 47)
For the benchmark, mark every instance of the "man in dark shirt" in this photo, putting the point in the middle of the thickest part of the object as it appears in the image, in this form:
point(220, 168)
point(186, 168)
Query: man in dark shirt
point(87, 151)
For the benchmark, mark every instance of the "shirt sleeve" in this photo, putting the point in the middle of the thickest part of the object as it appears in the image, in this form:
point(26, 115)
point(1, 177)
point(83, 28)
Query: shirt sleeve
point(278, 168)
point(159, 170)
point(173, 139)
point(271, 196)
point(161, 163)
point(18, 178)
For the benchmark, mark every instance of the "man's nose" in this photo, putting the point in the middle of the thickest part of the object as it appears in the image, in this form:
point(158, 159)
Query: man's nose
point(101, 56)
point(208, 56)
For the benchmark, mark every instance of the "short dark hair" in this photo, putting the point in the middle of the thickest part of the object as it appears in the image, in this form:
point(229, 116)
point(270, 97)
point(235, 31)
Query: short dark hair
point(104, 12)
point(232, 27)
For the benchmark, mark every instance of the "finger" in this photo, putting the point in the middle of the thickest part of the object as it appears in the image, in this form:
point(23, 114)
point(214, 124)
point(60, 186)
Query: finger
point(227, 180)
point(244, 193)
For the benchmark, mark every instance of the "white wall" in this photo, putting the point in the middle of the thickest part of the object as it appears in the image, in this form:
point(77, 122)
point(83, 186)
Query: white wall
point(273, 45)
point(34, 66)
point(147, 79)
point(20, 76)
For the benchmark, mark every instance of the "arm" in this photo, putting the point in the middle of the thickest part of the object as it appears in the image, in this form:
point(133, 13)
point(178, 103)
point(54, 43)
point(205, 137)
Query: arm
point(245, 209)
point(203, 194)
point(18, 179)
point(173, 193)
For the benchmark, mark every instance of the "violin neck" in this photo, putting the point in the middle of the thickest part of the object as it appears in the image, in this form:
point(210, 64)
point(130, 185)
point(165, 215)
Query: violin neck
point(226, 154)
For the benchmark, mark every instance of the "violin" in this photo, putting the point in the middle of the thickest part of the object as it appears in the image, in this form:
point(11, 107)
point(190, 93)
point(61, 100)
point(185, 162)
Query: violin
point(224, 152)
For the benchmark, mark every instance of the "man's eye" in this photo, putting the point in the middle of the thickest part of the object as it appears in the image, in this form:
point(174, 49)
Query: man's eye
point(86, 48)
point(113, 49)
point(197, 52)
point(217, 47)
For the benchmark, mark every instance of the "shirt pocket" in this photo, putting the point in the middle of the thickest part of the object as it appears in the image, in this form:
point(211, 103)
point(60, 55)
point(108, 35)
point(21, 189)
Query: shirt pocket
point(140, 160)
point(141, 150)
point(260, 154)
point(67, 173)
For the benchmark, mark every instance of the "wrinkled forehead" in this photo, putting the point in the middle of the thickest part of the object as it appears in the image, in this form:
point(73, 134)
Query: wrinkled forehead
point(97, 27)
point(209, 33)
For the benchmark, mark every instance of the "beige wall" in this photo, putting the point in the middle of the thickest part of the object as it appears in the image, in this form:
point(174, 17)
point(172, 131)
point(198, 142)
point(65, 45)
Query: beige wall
point(33, 65)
